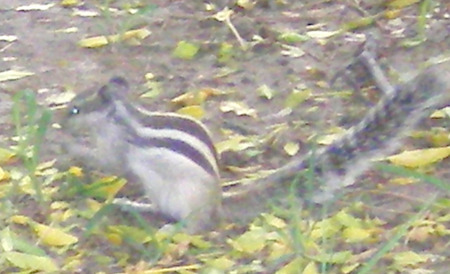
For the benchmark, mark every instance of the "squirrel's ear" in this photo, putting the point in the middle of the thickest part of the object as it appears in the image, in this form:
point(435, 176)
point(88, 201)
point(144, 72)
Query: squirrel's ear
point(116, 88)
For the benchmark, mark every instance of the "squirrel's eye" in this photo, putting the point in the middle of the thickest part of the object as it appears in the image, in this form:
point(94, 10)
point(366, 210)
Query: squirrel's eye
point(74, 111)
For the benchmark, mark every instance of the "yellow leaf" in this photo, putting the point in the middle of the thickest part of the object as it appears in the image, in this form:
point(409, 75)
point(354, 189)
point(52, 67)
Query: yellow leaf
point(99, 41)
point(420, 234)
point(193, 97)
point(140, 34)
point(318, 34)
point(359, 23)
point(20, 219)
point(106, 187)
point(347, 220)
point(8, 38)
point(250, 242)
point(420, 157)
point(349, 268)
point(402, 181)
point(69, 3)
point(4, 175)
point(53, 236)
point(340, 257)
point(32, 7)
point(274, 221)
point(239, 108)
point(325, 228)
point(328, 139)
point(294, 266)
point(355, 234)
point(93, 42)
point(196, 112)
point(185, 50)
point(392, 13)
point(76, 171)
point(265, 91)
point(235, 143)
point(409, 258)
point(30, 262)
point(114, 238)
point(398, 4)
point(291, 148)
point(297, 97)
point(311, 268)
point(441, 113)
point(221, 263)
point(5, 155)
point(9, 75)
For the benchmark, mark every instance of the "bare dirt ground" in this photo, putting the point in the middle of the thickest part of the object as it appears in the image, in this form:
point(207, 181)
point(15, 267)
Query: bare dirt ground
point(45, 47)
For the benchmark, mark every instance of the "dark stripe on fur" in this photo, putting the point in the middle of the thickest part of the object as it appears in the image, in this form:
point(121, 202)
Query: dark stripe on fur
point(176, 146)
point(161, 121)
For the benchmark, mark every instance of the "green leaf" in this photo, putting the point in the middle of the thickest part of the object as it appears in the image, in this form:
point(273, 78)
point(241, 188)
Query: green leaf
point(292, 37)
point(30, 262)
point(250, 242)
point(186, 50)
point(297, 97)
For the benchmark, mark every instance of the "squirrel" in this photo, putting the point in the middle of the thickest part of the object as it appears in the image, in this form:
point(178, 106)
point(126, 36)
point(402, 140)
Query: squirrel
point(174, 157)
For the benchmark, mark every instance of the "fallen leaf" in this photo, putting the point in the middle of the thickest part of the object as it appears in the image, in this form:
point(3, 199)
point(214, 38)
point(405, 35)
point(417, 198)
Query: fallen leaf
point(420, 157)
point(9, 75)
point(33, 7)
point(85, 13)
point(235, 143)
point(30, 262)
point(6, 155)
point(265, 91)
point(192, 97)
point(292, 37)
point(53, 236)
point(409, 259)
point(292, 51)
point(239, 108)
point(318, 34)
point(99, 41)
point(69, 3)
point(296, 97)
point(398, 4)
point(250, 242)
point(185, 50)
point(8, 38)
point(222, 263)
point(4, 175)
point(196, 112)
point(356, 234)
point(291, 148)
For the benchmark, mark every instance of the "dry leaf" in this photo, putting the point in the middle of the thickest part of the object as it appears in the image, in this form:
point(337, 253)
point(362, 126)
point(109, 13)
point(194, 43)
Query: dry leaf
point(9, 75)
point(196, 112)
point(420, 157)
point(186, 50)
point(99, 41)
point(54, 236)
point(318, 34)
point(265, 91)
point(8, 38)
point(31, 262)
point(33, 7)
point(291, 148)
point(239, 108)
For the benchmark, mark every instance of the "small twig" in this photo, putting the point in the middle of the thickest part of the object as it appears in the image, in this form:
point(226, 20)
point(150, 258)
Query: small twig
point(367, 59)
point(128, 205)
point(224, 16)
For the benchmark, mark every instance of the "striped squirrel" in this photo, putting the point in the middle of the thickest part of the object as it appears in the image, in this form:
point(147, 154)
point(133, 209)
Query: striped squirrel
point(174, 158)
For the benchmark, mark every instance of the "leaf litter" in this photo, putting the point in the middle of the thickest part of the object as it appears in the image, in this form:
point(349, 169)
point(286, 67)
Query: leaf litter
point(333, 241)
